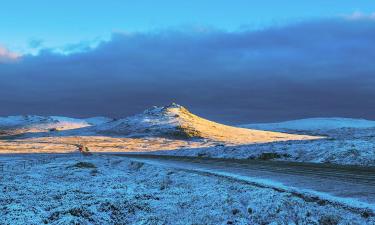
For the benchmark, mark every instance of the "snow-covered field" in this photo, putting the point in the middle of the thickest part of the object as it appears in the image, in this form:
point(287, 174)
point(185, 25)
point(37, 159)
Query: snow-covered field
point(75, 189)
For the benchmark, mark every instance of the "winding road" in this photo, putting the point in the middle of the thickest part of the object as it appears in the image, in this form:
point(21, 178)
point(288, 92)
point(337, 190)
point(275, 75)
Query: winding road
point(339, 181)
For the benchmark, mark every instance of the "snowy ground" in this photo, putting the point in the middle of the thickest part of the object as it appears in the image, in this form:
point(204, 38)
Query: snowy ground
point(61, 189)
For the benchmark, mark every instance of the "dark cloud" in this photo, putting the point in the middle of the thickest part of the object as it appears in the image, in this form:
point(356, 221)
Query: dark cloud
point(318, 68)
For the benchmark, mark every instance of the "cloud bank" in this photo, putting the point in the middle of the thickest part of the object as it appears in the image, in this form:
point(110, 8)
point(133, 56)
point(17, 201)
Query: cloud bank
point(309, 69)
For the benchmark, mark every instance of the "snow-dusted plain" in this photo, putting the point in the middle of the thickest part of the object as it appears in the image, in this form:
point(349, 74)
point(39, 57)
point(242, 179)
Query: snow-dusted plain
point(75, 189)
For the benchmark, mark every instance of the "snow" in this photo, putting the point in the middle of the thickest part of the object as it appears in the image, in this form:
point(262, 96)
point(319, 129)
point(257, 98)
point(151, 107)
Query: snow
point(176, 122)
point(151, 122)
point(310, 187)
point(31, 119)
point(346, 151)
point(20, 120)
point(61, 189)
point(103, 189)
point(314, 124)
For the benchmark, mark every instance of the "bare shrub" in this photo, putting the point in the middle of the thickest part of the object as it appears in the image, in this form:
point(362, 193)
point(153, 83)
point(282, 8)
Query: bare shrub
point(328, 220)
point(165, 183)
point(134, 165)
point(84, 165)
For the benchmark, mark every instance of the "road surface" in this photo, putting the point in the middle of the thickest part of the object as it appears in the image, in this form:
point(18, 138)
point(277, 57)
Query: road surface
point(340, 181)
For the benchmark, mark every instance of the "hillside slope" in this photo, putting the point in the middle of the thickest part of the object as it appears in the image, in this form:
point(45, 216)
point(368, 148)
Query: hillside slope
point(171, 127)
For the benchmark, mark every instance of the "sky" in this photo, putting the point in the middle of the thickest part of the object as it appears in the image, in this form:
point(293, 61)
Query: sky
point(231, 61)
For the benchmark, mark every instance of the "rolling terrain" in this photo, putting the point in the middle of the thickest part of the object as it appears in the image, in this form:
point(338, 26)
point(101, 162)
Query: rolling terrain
point(137, 168)
point(174, 130)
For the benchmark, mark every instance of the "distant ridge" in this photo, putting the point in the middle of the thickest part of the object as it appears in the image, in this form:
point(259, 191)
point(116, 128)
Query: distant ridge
point(173, 122)
point(314, 124)
point(33, 123)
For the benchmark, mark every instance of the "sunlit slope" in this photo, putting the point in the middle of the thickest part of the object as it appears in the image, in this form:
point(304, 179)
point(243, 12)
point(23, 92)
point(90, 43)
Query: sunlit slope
point(176, 122)
point(159, 128)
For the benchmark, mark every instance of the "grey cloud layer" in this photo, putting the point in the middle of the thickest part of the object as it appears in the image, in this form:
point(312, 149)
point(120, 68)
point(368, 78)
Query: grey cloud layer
point(319, 68)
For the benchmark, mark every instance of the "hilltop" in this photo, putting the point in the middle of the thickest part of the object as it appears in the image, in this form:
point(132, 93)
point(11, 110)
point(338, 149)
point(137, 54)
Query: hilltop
point(176, 122)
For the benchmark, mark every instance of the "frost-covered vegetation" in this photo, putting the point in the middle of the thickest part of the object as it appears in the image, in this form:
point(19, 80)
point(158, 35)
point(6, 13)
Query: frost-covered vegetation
point(73, 189)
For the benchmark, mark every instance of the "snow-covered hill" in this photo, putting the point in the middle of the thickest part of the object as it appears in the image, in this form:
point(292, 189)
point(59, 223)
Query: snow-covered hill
point(33, 123)
point(175, 121)
point(172, 122)
point(313, 124)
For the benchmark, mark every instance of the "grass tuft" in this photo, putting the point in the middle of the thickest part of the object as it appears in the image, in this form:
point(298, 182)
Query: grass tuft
point(84, 165)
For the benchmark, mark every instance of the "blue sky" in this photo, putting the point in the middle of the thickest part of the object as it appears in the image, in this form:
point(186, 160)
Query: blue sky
point(27, 26)
point(230, 61)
